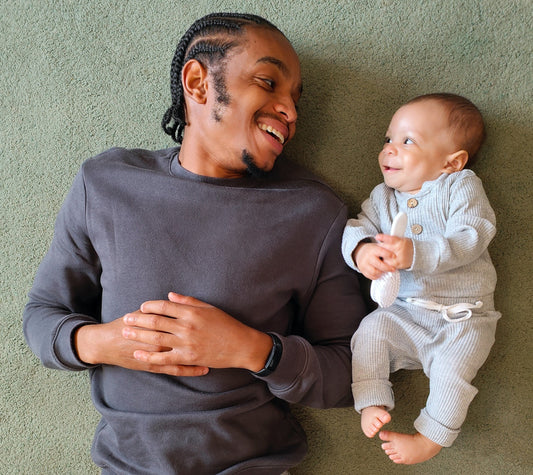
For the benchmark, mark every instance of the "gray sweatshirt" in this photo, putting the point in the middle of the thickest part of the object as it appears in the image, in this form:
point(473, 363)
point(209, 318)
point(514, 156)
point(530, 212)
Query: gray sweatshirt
point(136, 225)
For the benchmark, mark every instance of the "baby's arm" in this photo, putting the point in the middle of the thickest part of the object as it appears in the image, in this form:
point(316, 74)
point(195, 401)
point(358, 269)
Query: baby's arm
point(359, 248)
point(470, 227)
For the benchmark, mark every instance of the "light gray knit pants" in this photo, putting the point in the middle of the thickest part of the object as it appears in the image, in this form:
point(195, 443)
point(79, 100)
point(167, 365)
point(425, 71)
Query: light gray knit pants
point(404, 336)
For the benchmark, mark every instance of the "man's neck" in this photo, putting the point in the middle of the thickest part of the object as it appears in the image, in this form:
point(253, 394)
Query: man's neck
point(197, 159)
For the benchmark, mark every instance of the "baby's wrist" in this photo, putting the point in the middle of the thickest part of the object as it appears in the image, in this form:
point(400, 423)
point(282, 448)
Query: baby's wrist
point(357, 250)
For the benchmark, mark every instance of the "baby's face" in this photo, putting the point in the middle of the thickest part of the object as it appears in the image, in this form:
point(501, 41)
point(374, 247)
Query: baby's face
point(417, 146)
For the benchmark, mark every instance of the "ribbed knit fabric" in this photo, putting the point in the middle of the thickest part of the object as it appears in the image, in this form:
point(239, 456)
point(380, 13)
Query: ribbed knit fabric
point(79, 77)
point(450, 238)
point(451, 224)
point(407, 337)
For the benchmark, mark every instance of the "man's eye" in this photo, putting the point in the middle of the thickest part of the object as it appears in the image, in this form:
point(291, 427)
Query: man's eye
point(269, 82)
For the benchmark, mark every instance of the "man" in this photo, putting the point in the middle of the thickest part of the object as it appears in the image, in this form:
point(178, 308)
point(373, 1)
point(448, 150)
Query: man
point(199, 382)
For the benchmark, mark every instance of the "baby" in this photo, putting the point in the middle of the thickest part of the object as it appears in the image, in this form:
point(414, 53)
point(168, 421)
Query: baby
point(443, 320)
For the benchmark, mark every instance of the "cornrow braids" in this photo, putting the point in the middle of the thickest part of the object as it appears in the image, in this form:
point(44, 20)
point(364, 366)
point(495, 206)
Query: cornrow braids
point(207, 40)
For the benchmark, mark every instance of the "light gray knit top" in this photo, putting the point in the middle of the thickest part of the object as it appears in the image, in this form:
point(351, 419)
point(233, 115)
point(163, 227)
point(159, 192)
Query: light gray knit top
point(451, 223)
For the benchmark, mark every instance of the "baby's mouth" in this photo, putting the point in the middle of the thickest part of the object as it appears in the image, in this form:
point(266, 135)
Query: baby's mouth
point(272, 131)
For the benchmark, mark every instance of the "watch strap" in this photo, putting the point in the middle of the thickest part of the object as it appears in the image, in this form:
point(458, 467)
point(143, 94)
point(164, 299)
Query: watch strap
point(273, 358)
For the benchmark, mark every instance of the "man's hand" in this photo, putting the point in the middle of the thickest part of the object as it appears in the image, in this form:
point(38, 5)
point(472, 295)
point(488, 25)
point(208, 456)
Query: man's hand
point(105, 344)
point(198, 335)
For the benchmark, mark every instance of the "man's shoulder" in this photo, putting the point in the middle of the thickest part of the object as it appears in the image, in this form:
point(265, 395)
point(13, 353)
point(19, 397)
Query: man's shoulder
point(120, 157)
point(291, 174)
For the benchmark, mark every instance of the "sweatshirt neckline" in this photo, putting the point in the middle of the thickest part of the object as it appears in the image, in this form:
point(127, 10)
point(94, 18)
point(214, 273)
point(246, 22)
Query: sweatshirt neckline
point(177, 170)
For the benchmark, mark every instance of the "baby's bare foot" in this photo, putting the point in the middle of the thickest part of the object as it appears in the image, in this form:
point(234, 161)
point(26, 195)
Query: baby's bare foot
point(408, 449)
point(373, 418)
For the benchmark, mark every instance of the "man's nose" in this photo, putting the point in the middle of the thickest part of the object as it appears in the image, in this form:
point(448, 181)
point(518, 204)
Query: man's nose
point(287, 108)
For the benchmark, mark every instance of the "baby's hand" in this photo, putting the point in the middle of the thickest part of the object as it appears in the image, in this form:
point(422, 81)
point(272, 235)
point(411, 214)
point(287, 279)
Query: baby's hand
point(401, 250)
point(372, 259)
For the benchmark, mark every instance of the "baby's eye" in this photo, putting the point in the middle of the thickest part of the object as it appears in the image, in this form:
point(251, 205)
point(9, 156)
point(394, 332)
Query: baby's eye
point(387, 140)
point(408, 141)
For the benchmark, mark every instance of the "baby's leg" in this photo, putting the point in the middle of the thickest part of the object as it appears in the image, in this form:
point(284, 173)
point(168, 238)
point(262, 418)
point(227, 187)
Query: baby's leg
point(408, 449)
point(378, 339)
point(373, 418)
point(451, 366)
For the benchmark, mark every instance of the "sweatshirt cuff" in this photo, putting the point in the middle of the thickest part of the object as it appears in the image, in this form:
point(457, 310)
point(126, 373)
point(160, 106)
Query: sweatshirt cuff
point(63, 344)
point(294, 361)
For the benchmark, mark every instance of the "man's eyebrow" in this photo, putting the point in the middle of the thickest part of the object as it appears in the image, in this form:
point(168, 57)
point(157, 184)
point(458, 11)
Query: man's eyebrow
point(279, 64)
point(276, 62)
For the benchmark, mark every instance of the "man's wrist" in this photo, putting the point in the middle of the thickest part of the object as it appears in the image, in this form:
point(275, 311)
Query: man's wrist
point(80, 346)
point(273, 358)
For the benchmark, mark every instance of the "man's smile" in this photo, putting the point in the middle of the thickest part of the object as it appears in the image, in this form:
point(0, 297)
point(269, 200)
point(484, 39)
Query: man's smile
point(274, 132)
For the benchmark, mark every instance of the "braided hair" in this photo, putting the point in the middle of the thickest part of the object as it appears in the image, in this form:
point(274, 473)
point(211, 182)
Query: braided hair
point(207, 40)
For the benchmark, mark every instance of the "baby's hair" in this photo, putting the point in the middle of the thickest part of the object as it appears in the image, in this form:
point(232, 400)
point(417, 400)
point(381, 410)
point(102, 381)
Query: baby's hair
point(207, 40)
point(465, 121)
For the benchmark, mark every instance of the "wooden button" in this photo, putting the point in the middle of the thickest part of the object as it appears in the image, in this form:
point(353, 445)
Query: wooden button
point(416, 229)
point(412, 203)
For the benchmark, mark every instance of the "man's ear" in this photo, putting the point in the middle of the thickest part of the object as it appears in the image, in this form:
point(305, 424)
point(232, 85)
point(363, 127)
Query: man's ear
point(456, 161)
point(194, 80)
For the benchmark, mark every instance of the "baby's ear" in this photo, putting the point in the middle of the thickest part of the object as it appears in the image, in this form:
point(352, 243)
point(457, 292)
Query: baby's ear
point(456, 161)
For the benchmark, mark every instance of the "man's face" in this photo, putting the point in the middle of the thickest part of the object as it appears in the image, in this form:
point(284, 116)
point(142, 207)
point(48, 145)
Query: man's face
point(249, 128)
point(417, 146)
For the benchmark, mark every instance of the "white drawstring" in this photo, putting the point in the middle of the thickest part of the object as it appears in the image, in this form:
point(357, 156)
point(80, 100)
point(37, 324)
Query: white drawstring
point(447, 311)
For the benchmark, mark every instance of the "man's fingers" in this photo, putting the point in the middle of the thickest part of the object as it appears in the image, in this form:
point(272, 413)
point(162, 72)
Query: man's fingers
point(153, 320)
point(158, 339)
point(176, 370)
point(161, 362)
point(161, 307)
point(186, 300)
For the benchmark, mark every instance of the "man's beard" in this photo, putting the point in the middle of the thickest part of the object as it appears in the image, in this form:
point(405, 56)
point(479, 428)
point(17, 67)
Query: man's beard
point(223, 99)
point(251, 167)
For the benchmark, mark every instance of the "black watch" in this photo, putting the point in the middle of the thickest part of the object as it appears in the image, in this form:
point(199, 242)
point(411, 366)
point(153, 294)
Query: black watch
point(273, 358)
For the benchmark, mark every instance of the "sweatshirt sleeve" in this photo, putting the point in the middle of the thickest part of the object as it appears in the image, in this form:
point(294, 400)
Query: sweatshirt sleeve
point(66, 291)
point(470, 227)
point(315, 367)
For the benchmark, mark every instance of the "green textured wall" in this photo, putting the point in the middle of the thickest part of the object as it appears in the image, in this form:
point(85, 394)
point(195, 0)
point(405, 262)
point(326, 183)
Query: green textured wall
point(77, 77)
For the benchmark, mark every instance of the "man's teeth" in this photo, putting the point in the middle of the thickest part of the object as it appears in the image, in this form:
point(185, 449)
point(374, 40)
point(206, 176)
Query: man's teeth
point(272, 131)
